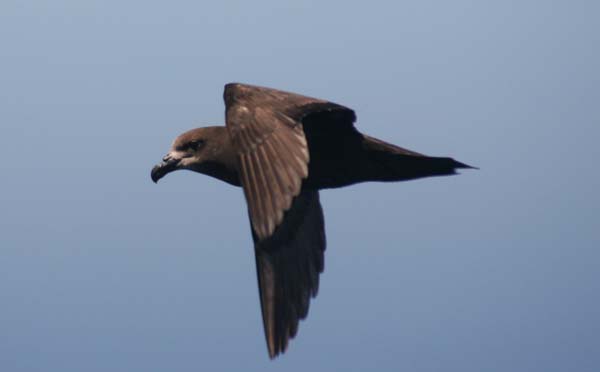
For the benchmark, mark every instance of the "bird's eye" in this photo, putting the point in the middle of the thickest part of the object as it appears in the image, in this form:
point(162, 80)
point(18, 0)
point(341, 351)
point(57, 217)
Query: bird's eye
point(195, 145)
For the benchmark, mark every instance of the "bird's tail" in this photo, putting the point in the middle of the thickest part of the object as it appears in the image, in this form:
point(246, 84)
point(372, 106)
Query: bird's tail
point(387, 162)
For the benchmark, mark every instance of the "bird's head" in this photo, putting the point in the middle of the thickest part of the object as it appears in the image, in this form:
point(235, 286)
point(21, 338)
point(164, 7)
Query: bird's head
point(204, 150)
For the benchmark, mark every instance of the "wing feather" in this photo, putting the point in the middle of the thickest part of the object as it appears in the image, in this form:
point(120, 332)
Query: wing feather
point(270, 150)
point(287, 223)
point(288, 265)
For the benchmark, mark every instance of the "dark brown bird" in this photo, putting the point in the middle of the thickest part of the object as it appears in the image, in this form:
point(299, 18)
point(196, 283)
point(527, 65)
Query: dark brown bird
point(282, 148)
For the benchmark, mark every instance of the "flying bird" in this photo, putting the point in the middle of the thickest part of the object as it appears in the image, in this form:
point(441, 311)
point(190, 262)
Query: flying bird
point(282, 148)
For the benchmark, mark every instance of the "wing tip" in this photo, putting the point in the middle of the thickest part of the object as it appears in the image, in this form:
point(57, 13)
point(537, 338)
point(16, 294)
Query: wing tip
point(271, 350)
point(274, 348)
point(273, 353)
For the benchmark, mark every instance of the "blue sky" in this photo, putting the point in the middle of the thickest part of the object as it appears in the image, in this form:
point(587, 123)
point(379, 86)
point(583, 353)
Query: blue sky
point(492, 270)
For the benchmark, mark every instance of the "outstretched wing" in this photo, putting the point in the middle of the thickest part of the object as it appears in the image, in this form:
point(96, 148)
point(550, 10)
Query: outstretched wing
point(265, 126)
point(273, 160)
point(288, 265)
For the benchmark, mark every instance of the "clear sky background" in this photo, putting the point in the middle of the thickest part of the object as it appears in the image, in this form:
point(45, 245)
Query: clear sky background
point(492, 270)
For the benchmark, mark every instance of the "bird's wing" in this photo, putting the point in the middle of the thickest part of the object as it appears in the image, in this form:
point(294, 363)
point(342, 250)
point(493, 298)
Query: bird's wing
point(266, 129)
point(273, 160)
point(288, 265)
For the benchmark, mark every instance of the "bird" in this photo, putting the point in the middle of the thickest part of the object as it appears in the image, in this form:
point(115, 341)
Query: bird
point(281, 148)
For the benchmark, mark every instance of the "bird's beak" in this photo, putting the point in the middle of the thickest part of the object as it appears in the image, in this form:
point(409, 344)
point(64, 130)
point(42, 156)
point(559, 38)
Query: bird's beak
point(167, 165)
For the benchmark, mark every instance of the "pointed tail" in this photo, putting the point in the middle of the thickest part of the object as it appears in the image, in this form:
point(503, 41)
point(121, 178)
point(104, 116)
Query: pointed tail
point(387, 162)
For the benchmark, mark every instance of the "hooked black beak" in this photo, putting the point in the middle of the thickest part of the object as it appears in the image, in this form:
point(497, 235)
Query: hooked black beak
point(167, 165)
